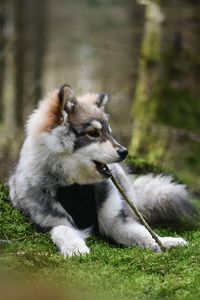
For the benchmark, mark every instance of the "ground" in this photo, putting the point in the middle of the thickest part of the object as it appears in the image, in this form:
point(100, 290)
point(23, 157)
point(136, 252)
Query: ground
point(115, 272)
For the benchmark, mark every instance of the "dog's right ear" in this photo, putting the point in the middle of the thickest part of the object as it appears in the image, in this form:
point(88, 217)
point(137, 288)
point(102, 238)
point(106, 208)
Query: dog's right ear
point(66, 98)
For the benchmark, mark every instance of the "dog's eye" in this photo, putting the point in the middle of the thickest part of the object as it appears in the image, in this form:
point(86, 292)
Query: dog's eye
point(95, 134)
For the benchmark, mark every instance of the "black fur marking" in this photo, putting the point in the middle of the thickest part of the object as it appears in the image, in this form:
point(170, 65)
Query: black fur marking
point(101, 193)
point(47, 209)
point(55, 213)
point(43, 229)
point(14, 184)
point(79, 202)
point(107, 134)
point(123, 215)
point(82, 141)
point(80, 130)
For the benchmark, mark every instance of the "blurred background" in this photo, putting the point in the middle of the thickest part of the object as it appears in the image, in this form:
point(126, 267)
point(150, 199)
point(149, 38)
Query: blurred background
point(144, 54)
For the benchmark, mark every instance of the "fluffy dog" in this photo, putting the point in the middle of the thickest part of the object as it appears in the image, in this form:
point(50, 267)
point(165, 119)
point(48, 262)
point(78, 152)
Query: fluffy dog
point(63, 185)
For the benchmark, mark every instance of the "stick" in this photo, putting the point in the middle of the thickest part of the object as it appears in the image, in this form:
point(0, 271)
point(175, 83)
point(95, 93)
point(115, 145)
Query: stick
point(136, 211)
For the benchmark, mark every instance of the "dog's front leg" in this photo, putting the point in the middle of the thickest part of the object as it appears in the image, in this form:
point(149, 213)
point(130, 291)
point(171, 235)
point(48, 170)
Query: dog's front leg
point(117, 222)
point(69, 240)
point(49, 215)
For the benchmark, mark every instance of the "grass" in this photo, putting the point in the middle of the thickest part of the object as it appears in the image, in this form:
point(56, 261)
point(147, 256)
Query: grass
point(115, 272)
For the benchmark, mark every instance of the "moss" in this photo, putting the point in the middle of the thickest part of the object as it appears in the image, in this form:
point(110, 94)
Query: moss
point(148, 77)
point(169, 120)
point(145, 114)
point(111, 271)
point(142, 166)
point(178, 108)
point(14, 227)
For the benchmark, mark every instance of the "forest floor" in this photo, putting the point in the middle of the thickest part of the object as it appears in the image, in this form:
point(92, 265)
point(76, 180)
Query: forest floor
point(109, 271)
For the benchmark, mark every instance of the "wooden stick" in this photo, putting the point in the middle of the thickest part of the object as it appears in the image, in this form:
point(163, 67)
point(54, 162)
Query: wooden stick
point(136, 211)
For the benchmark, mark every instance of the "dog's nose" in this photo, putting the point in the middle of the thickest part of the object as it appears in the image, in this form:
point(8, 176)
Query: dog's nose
point(123, 152)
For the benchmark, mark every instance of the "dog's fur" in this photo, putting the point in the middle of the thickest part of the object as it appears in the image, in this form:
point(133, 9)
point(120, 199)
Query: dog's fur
point(58, 186)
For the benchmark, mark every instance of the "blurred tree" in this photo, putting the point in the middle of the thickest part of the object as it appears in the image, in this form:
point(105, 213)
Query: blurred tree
point(35, 34)
point(122, 95)
point(29, 21)
point(41, 15)
point(19, 60)
point(2, 58)
point(166, 108)
point(137, 16)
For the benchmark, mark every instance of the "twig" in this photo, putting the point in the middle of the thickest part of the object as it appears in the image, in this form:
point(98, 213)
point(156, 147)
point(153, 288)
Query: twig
point(136, 211)
point(9, 241)
point(5, 242)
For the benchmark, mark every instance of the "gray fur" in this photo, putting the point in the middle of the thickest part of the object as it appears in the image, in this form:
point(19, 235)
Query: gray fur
point(160, 199)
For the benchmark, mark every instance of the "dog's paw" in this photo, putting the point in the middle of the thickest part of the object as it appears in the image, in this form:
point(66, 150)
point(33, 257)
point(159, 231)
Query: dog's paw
point(152, 246)
point(169, 242)
point(155, 247)
point(78, 248)
point(148, 243)
point(69, 241)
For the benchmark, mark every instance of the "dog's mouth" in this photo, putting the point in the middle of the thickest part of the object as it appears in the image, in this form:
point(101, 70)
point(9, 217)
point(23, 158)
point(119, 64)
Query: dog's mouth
point(103, 169)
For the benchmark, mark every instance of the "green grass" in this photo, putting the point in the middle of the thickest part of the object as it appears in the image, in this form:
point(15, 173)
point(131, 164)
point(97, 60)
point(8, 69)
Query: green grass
point(121, 273)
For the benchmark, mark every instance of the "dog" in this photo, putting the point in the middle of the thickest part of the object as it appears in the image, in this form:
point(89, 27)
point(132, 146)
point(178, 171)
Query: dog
point(62, 182)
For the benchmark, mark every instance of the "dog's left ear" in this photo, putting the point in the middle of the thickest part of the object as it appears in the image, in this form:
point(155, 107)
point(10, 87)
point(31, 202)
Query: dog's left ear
point(66, 98)
point(102, 99)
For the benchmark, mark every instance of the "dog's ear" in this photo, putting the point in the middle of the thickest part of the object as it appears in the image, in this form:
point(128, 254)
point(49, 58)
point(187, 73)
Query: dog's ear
point(66, 98)
point(102, 99)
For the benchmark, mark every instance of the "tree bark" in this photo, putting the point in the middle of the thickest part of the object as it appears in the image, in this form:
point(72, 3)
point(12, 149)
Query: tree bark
point(19, 60)
point(30, 31)
point(2, 57)
point(40, 13)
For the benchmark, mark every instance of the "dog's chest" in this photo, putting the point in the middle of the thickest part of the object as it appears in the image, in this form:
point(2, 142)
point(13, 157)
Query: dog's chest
point(79, 202)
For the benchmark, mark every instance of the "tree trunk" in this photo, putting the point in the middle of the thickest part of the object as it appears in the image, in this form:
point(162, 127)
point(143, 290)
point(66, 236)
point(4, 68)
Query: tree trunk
point(2, 58)
point(35, 35)
point(40, 13)
point(30, 25)
point(122, 94)
point(166, 108)
point(19, 60)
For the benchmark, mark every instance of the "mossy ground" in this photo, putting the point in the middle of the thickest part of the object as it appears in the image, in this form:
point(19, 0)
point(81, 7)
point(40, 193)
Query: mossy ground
point(115, 272)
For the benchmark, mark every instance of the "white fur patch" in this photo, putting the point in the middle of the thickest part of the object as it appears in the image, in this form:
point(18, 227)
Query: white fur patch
point(69, 241)
point(110, 209)
point(79, 166)
point(169, 242)
point(96, 124)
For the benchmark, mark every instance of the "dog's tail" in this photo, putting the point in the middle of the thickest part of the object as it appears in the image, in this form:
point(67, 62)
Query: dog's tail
point(160, 199)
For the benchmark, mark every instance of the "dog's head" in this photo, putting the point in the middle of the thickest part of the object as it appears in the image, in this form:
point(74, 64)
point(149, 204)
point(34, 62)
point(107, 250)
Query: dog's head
point(77, 132)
